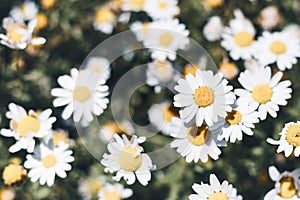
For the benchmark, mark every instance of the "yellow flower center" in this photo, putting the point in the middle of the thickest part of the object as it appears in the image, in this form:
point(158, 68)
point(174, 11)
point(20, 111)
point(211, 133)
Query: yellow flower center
point(42, 21)
point(13, 33)
point(46, 4)
point(28, 124)
point(104, 15)
point(197, 135)
point(243, 39)
point(165, 39)
point(59, 136)
point(278, 47)
point(137, 4)
point(234, 117)
point(287, 187)
point(81, 94)
point(162, 5)
point(229, 68)
point(262, 93)
point(49, 161)
point(292, 135)
point(112, 195)
point(204, 96)
point(162, 66)
point(128, 161)
point(169, 112)
point(13, 173)
point(214, 3)
point(218, 196)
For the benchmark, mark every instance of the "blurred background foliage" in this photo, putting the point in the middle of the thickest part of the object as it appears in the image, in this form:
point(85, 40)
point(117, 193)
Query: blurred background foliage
point(26, 78)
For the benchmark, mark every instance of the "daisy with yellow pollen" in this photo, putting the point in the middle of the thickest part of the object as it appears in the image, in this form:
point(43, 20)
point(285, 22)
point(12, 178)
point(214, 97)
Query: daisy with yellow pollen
point(26, 11)
point(104, 19)
point(114, 192)
point(83, 93)
point(90, 187)
point(13, 174)
point(47, 162)
point(160, 115)
point(24, 127)
point(238, 38)
point(165, 37)
point(126, 158)
point(196, 142)
point(108, 130)
point(100, 66)
point(203, 98)
point(161, 74)
point(264, 91)
point(240, 120)
point(19, 35)
point(289, 139)
point(215, 191)
point(279, 48)
point(287, 185)
point(162, 9)
point(133, 5)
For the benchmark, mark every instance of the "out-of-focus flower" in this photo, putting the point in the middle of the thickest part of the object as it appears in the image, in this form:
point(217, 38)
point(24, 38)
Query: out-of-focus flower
point(47, 162)
point(293, 30)
point(279, 48)
point(228, 69)
point(160, 115)
point(251, 64)
point(89, 188)
point(269, 18)
point(238, 37)
point(114, 192)
point(83, 93)
point(42, 21)
point(126, 158)
point(100, 66)
point(13, 174)
point(26, 11)
point(240, 120)
point(289, 139)
point(165, 37)
point(7, 194)
point(24, 127)
point(196, 142)
point(162, 9)
point(47, 4)
point(213, 28)
point(215, 191)
point(212, 3)
point(140, 29)
point(104, 19)
point(287, 185)
point(133, 5)
point(191, 68)
point(56, 136)
point(203, 97)
point(264, 91)
point(18, 35)
point(108, 130)
point(161, 74)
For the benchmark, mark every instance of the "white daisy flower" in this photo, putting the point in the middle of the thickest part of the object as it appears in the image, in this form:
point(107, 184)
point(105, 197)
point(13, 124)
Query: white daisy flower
point(287, 185)
point(196, 142)
point(240, 120)
point(203, 97)
point(279, 48)
point(160, 115)
point(140, 29)
point(215, 191)
point(213, 29)
point(126, 158)
point(56, 136)
point(162, 9)
point(99, 65)
point(47, 162)
point(104, 20)
point(90, 187)
point(191, 68)
point(161, 74)
point(264, 91)
point(133, 5)
point(228, 69)
point(114, 192)
point(83, 94)
point(238, 37)
point(269, 17)
point(165, 37)
point(24, 127)
point(27, 11)
point(293, 30)
point(18, 35)
point(108, 130)
point(289, 139)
